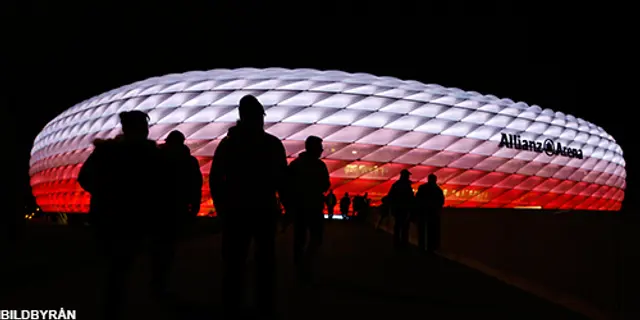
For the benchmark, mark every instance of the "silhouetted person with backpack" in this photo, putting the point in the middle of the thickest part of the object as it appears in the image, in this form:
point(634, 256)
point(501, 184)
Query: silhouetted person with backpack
point(183, 192)
point(429, 202)
point(345, 203)
point(248, 169)
point(331, 201)
point(122, 176)
point(401, 204)
point(307, 181)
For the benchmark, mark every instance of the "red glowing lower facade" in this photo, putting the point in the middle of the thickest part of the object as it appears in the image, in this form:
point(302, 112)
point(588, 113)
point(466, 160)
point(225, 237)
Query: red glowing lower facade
point(56, 189)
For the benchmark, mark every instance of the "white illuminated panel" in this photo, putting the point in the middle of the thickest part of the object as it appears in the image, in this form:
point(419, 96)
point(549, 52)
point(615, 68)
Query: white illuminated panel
point(343, 117)
point(278, 113)
point(376, 120)
point(311, 115)
point(303, 99)
point(371, 103)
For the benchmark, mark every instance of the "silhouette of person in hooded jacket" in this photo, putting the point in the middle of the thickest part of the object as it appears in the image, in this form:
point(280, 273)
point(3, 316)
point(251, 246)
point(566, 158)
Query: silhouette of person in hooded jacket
point(247, 171)
point(183, 192)
point(121, 174)
point(308, 180)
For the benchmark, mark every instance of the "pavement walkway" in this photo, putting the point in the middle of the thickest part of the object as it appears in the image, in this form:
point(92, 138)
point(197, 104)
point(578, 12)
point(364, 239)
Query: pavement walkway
point(360, 276)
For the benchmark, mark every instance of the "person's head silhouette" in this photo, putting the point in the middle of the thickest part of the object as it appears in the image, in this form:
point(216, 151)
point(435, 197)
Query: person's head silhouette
point(404, 174)
point(313, 146)
point(251, 112)
point(175, 138)
point(432, 179)
point(135, 125)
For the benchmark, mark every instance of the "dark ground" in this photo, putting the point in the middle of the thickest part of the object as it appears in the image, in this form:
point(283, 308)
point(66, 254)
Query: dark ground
point(360, 276)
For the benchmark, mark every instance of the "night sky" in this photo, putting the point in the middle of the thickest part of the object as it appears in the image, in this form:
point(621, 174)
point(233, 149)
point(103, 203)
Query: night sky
point(565, 59)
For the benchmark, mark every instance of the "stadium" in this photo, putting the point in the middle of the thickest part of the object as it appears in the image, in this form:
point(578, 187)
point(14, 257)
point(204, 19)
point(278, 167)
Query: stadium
point(487, 152)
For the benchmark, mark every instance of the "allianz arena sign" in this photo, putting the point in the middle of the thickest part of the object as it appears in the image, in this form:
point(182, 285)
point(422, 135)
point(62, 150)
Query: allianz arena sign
point(547, 146)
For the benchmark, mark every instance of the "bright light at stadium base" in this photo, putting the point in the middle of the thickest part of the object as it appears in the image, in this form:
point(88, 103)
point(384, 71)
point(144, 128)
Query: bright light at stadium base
point(335, 217)
point(487, 152)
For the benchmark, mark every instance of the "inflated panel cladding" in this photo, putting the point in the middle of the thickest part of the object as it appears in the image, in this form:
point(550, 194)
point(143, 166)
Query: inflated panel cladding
point(373, 127)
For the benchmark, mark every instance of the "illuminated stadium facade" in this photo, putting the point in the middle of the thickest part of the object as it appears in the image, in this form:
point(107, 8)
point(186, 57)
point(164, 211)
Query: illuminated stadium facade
point(486, 152)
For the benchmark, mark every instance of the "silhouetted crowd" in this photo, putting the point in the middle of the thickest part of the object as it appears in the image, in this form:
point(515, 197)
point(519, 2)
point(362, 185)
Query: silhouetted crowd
point(132, 202)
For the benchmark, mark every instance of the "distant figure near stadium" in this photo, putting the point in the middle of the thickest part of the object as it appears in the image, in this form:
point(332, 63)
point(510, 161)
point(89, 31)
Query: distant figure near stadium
point(429, 202)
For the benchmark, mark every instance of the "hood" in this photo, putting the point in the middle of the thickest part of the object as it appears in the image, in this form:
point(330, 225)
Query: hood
point(433, 185)
point(233, 131)
point(99, 142)
point(240, 130)
point(179, 149)
point(306, 156)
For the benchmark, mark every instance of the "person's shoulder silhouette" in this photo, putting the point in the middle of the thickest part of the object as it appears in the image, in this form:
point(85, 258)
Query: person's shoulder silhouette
point(430, 194)
point(308, 177)
point(122, 173)
point(248, 162)
point(182, 174)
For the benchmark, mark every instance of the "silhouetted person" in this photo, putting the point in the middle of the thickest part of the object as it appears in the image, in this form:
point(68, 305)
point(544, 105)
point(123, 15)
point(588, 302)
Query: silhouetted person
point(358, 202)
point(401, 203)
point(331, 201)
point(122, 177)
point(248, 169)
point(308, 180)
point(345, 203)
point(366, 206)
point(384, 210)
point(429, 202)
point(183, 192)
